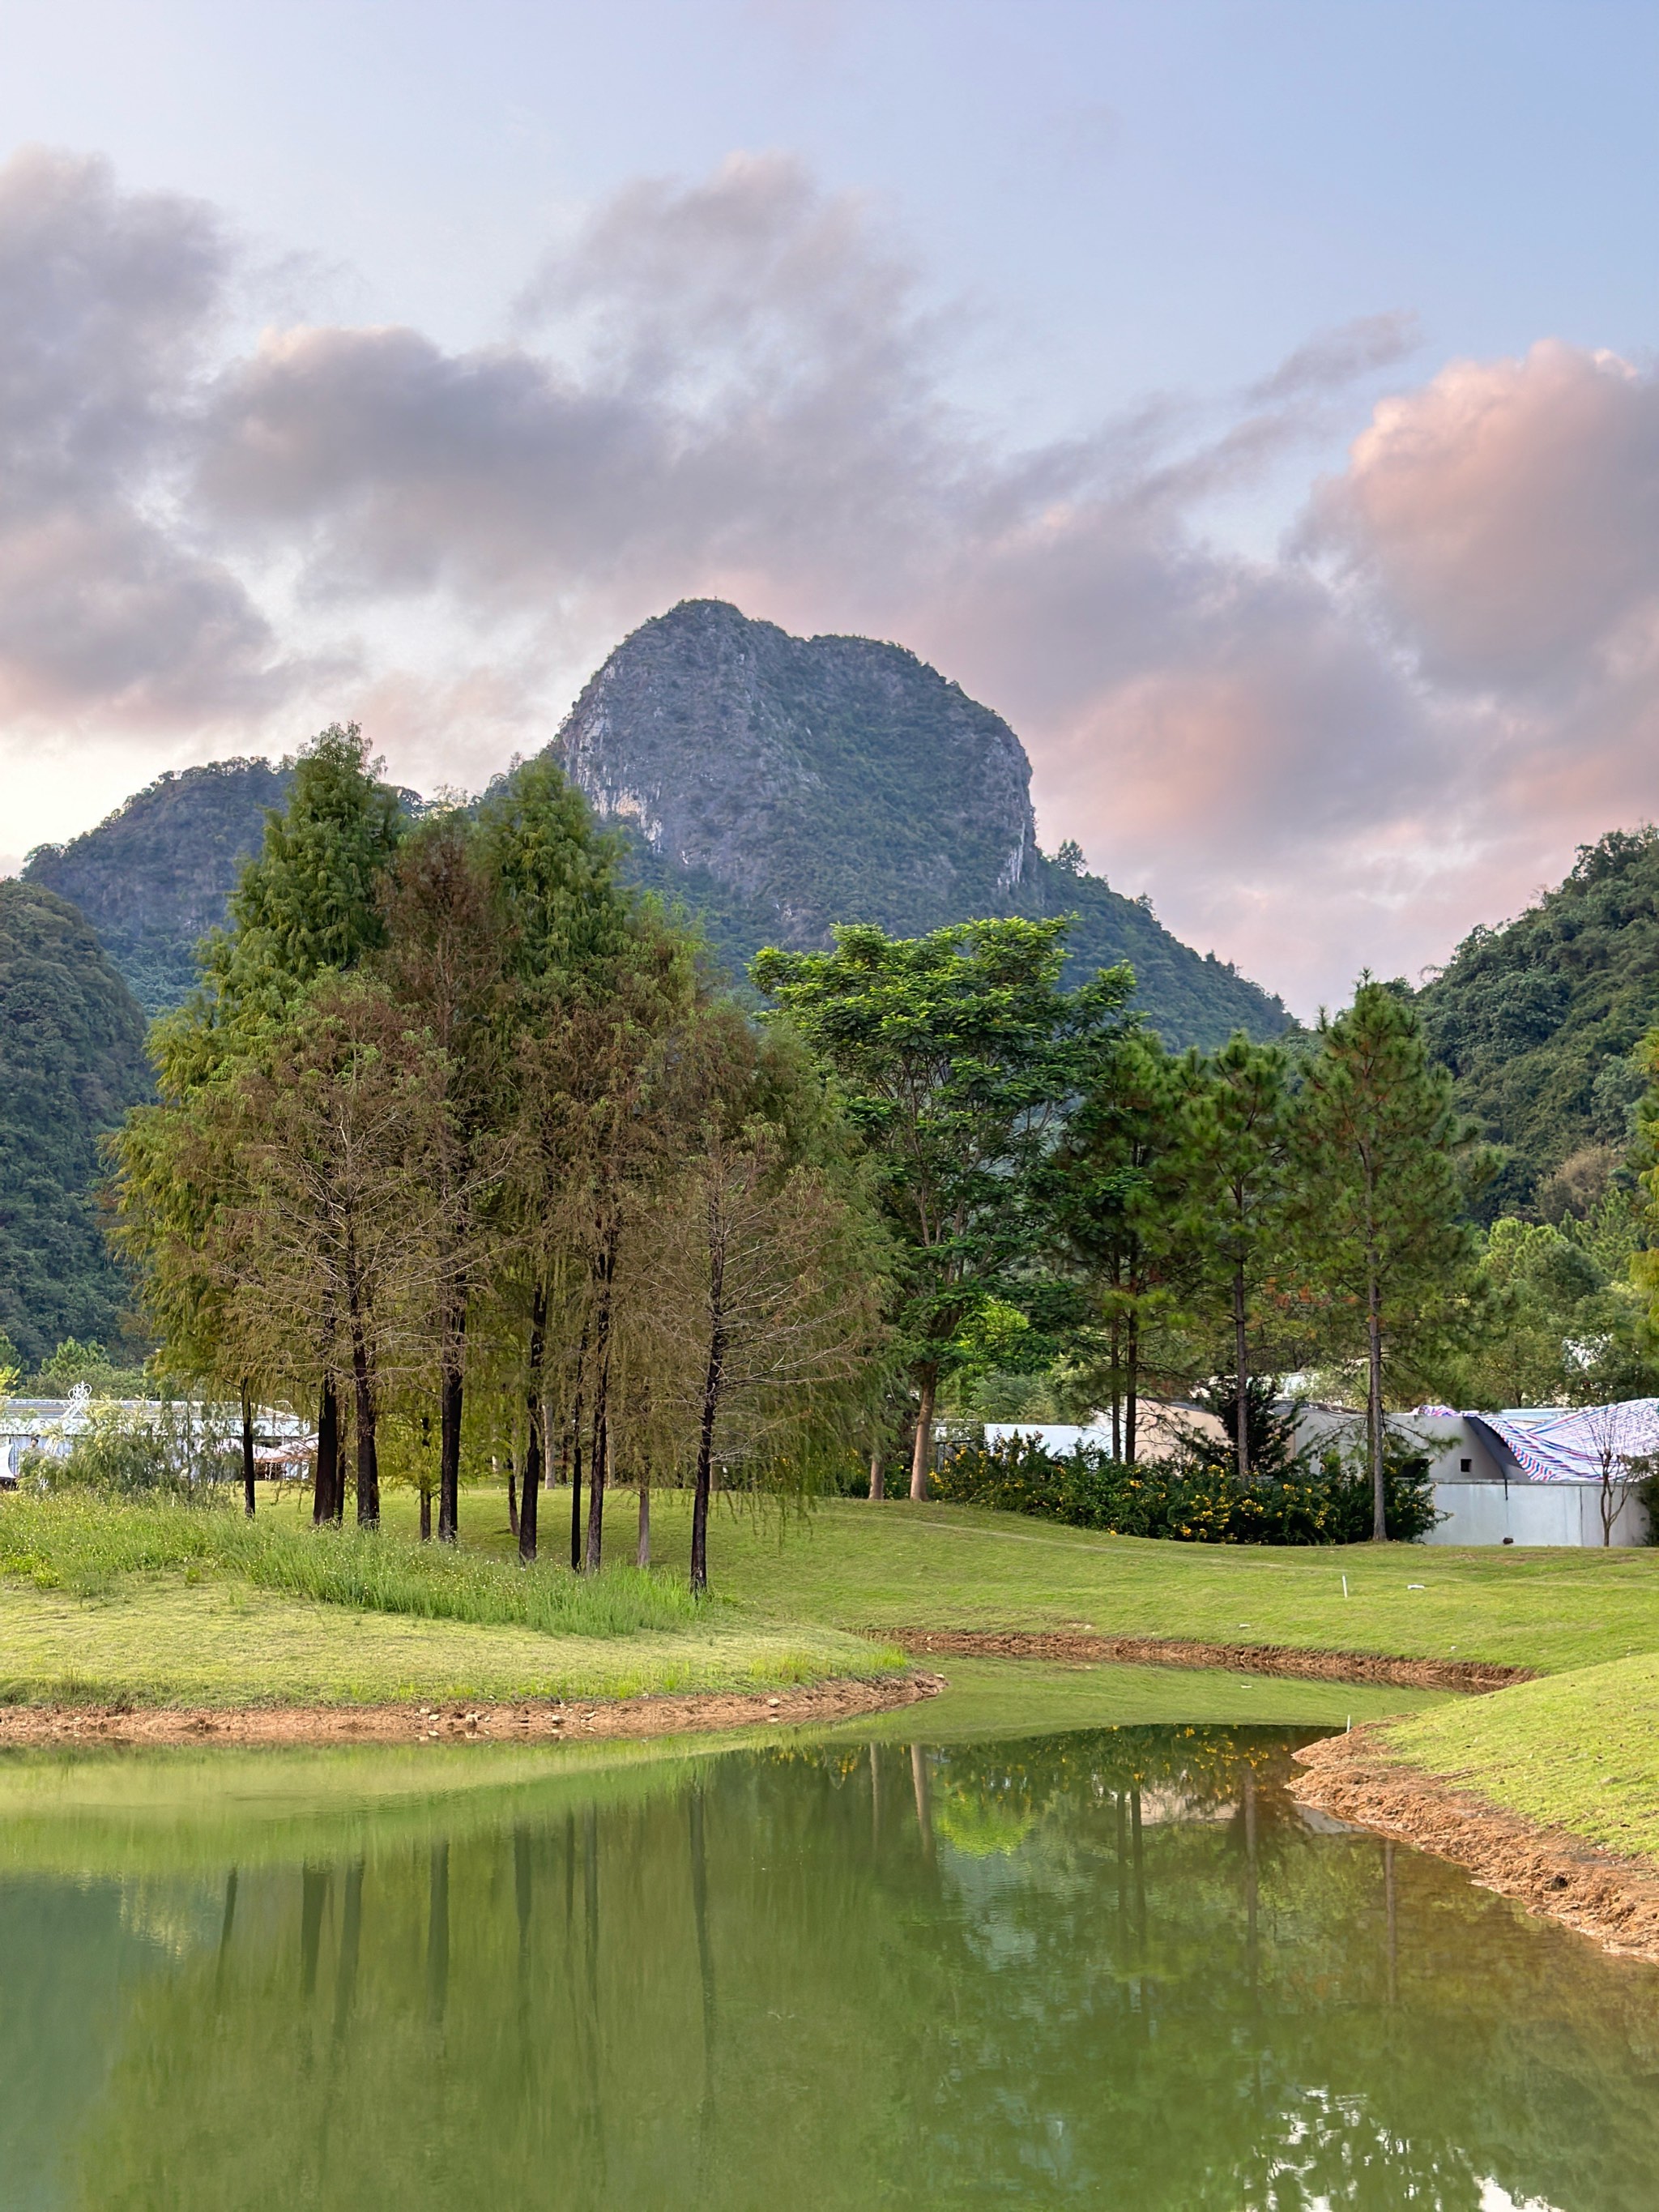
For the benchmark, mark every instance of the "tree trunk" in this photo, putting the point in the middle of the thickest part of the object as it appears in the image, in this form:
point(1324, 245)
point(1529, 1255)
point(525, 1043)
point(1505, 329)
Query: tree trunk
point(576, 1457)
point(513, 1497)
point(877, 1474)
point(530, 1496)
point(426, 1512)
point(1117, 1390)
point(1132, 1389)
point(327, 1485)
point(714, 1375)
point(1242, 1371)
point(923, 1450)
point(599, 1473)
point(643, 1549)
point(450, 1384)
point(368, 1462)
point(248, 1500)
point(1374, 1411)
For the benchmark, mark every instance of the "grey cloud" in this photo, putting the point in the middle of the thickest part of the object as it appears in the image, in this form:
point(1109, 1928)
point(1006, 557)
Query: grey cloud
point(106, 304)
point(1335, 358)
point(1337, 757)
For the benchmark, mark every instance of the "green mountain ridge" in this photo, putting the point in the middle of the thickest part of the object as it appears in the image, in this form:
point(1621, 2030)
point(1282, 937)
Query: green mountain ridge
point(1538, 1020)
point(72, 1062)
point(153, 877)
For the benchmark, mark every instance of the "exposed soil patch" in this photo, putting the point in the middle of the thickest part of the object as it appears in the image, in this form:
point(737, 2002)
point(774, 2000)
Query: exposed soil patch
point(1241, 1658)
point(545, 1721)
point(1602, 1893)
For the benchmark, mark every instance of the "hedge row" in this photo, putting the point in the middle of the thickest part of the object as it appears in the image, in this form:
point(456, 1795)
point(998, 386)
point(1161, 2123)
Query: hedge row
point(1325, 1502)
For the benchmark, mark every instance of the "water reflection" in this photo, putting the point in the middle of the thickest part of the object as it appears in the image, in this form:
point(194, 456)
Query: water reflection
point(1107, 1969)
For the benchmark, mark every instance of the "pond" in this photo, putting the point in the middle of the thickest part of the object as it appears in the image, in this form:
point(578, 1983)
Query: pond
point(1100, 1966)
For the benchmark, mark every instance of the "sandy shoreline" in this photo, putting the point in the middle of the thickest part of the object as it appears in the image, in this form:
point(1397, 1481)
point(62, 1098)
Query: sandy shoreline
point(1238, 1658)
point(1602, 1895)
point(556, 1721)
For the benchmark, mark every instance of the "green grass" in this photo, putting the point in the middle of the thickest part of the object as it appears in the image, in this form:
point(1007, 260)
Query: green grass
point(177, 1604)
point(88, 1546)
point(863, 1567)
point(158, 1640)
point(1578, 1751)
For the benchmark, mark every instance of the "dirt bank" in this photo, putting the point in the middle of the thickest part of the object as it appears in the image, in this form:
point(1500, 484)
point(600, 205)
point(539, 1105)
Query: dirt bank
point(1601, 1893)
point(557, 1721)
point(1240, 1658)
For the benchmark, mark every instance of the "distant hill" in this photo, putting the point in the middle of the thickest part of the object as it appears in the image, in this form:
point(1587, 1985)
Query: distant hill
point(1536, 1020)
point(72, 1062)
point(154, 876)
point(777, 784)
point(772, 784)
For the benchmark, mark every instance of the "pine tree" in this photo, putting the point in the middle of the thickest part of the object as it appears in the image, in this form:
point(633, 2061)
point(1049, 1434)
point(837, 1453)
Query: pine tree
point(1117, 1195)
point(1237, 1123)
point(1383, 1167)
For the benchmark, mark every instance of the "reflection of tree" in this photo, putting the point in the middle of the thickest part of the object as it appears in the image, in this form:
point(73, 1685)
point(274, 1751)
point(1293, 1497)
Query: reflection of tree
point(1006, 2025)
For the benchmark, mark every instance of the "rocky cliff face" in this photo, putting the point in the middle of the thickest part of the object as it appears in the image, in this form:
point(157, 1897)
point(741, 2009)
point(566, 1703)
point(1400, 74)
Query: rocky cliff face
point(817, 779)
point(777, 784)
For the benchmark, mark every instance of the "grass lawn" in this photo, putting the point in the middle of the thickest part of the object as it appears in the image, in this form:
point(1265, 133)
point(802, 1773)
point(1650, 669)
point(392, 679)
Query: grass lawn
point(161, 1640)
point(878, 1568)
point(797, 1597)
point(1578, 1751)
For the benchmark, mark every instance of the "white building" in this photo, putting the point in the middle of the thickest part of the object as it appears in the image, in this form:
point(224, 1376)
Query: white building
point(1530, 1474)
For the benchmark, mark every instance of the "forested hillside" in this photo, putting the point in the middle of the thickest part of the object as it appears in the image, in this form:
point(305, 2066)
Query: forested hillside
point(777, 784)
point(154, 876)
point(72, 1062)
point(1537, 1019)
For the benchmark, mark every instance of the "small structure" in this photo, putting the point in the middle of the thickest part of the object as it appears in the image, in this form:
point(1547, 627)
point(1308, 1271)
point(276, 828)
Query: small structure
point(284, 1443)
point(1531, 1474)
point(1159, 1427)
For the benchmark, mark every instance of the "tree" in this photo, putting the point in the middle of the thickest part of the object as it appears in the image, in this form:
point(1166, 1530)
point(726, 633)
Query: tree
point(1116, 1195)
point(309, 902)
point(596, 987)
point(765, 1281)
point(334, 1134)
point(1236, 1115)
point(306, 907)
point(1619, 1442)
point(442, 963)
point(1383, 1168)
point(958, 1055)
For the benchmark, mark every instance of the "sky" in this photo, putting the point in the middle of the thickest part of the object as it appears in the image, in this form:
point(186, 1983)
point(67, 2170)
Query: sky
point(1256, 404)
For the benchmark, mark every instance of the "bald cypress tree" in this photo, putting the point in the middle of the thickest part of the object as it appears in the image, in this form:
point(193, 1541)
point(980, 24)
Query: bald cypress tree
point(306, 905)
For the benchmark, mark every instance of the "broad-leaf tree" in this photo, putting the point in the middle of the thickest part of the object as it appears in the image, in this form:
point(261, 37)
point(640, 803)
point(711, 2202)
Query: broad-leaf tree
point(958, 1055)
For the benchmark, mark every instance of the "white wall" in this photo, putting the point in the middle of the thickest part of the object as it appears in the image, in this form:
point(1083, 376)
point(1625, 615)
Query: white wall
point(1533, 1513)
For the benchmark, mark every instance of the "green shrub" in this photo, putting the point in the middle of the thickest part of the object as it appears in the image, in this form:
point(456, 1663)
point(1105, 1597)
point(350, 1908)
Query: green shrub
point(127, 1452)
point(1328, 1502)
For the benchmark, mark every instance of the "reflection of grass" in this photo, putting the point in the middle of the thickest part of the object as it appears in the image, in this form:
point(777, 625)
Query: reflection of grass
point(1007, 1698)
point(1578, 1751)
point(160, 1640)
point(980, 1827)
point(127, 1812)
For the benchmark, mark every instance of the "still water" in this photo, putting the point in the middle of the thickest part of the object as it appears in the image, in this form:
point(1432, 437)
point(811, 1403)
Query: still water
point(1109, 1967)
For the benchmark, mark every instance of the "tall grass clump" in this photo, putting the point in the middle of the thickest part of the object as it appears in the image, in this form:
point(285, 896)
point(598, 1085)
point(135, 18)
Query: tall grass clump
point(85, 1545)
